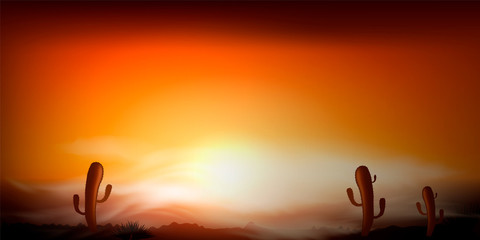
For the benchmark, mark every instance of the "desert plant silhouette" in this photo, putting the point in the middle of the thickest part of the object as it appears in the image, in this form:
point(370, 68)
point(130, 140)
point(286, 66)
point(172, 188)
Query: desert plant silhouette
point(364, 182)
point(132, 230)
point(430, 205)
point(94, 178)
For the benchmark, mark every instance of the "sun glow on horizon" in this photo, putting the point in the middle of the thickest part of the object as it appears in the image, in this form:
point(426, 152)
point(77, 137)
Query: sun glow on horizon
point(242, 179)
point(230, 173)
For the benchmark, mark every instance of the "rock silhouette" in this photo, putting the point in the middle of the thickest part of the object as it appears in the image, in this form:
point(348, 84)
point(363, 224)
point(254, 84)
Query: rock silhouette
point(94, 178)
point(364, 182)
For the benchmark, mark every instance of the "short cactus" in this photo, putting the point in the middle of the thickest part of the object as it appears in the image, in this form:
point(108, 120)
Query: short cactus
point(364, 182)
point(430, 205)
point(94, 178)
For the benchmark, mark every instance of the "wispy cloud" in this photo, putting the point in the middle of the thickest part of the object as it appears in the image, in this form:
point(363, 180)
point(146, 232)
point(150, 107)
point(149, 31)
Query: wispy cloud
point(242, 181)
point(108, 146)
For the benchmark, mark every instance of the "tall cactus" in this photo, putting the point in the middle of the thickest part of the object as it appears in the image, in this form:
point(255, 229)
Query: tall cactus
point(364, 182)
point(430, 205)
point(94, 178)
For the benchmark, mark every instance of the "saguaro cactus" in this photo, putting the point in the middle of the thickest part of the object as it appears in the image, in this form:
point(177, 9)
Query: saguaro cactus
point(430, 205)
point(94, 178)
point(364, 182)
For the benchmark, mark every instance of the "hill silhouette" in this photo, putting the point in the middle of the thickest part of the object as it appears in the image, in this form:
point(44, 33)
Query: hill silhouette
point(188, 231)
point(453, 228)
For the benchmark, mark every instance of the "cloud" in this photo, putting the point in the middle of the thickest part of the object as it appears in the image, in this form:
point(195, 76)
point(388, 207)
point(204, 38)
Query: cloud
point(108, 146)
point(236, 182)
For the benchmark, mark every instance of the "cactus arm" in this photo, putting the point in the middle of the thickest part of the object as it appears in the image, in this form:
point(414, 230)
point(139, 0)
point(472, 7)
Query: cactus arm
point(419, 208)
point(108, 190)
point(76, 201)
point(440, 220)
point(352, 199)
point(436, 195)
point(382, 208)
point(374, 178)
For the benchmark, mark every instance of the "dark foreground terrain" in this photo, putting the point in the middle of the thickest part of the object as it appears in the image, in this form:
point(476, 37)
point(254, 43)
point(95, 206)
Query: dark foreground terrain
point(452, 228)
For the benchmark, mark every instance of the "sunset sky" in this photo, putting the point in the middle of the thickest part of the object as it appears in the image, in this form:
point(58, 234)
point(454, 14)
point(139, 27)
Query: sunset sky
point(224, 113)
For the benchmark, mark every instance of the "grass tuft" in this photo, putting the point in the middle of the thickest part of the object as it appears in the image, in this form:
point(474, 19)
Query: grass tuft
point(132, 230)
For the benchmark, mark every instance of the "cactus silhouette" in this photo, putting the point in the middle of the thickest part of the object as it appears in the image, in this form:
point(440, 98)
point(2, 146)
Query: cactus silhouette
point(94, 178)
point(430, 205)
point(364, 182)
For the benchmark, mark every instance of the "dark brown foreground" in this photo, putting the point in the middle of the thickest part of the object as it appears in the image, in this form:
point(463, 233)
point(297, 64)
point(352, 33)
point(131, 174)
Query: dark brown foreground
point(453, 228)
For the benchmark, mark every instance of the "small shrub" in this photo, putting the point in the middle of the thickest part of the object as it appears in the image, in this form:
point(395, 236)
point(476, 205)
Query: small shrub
point(132, 230)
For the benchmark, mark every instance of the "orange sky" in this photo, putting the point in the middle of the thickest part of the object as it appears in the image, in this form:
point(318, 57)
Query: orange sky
point(205, 102)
